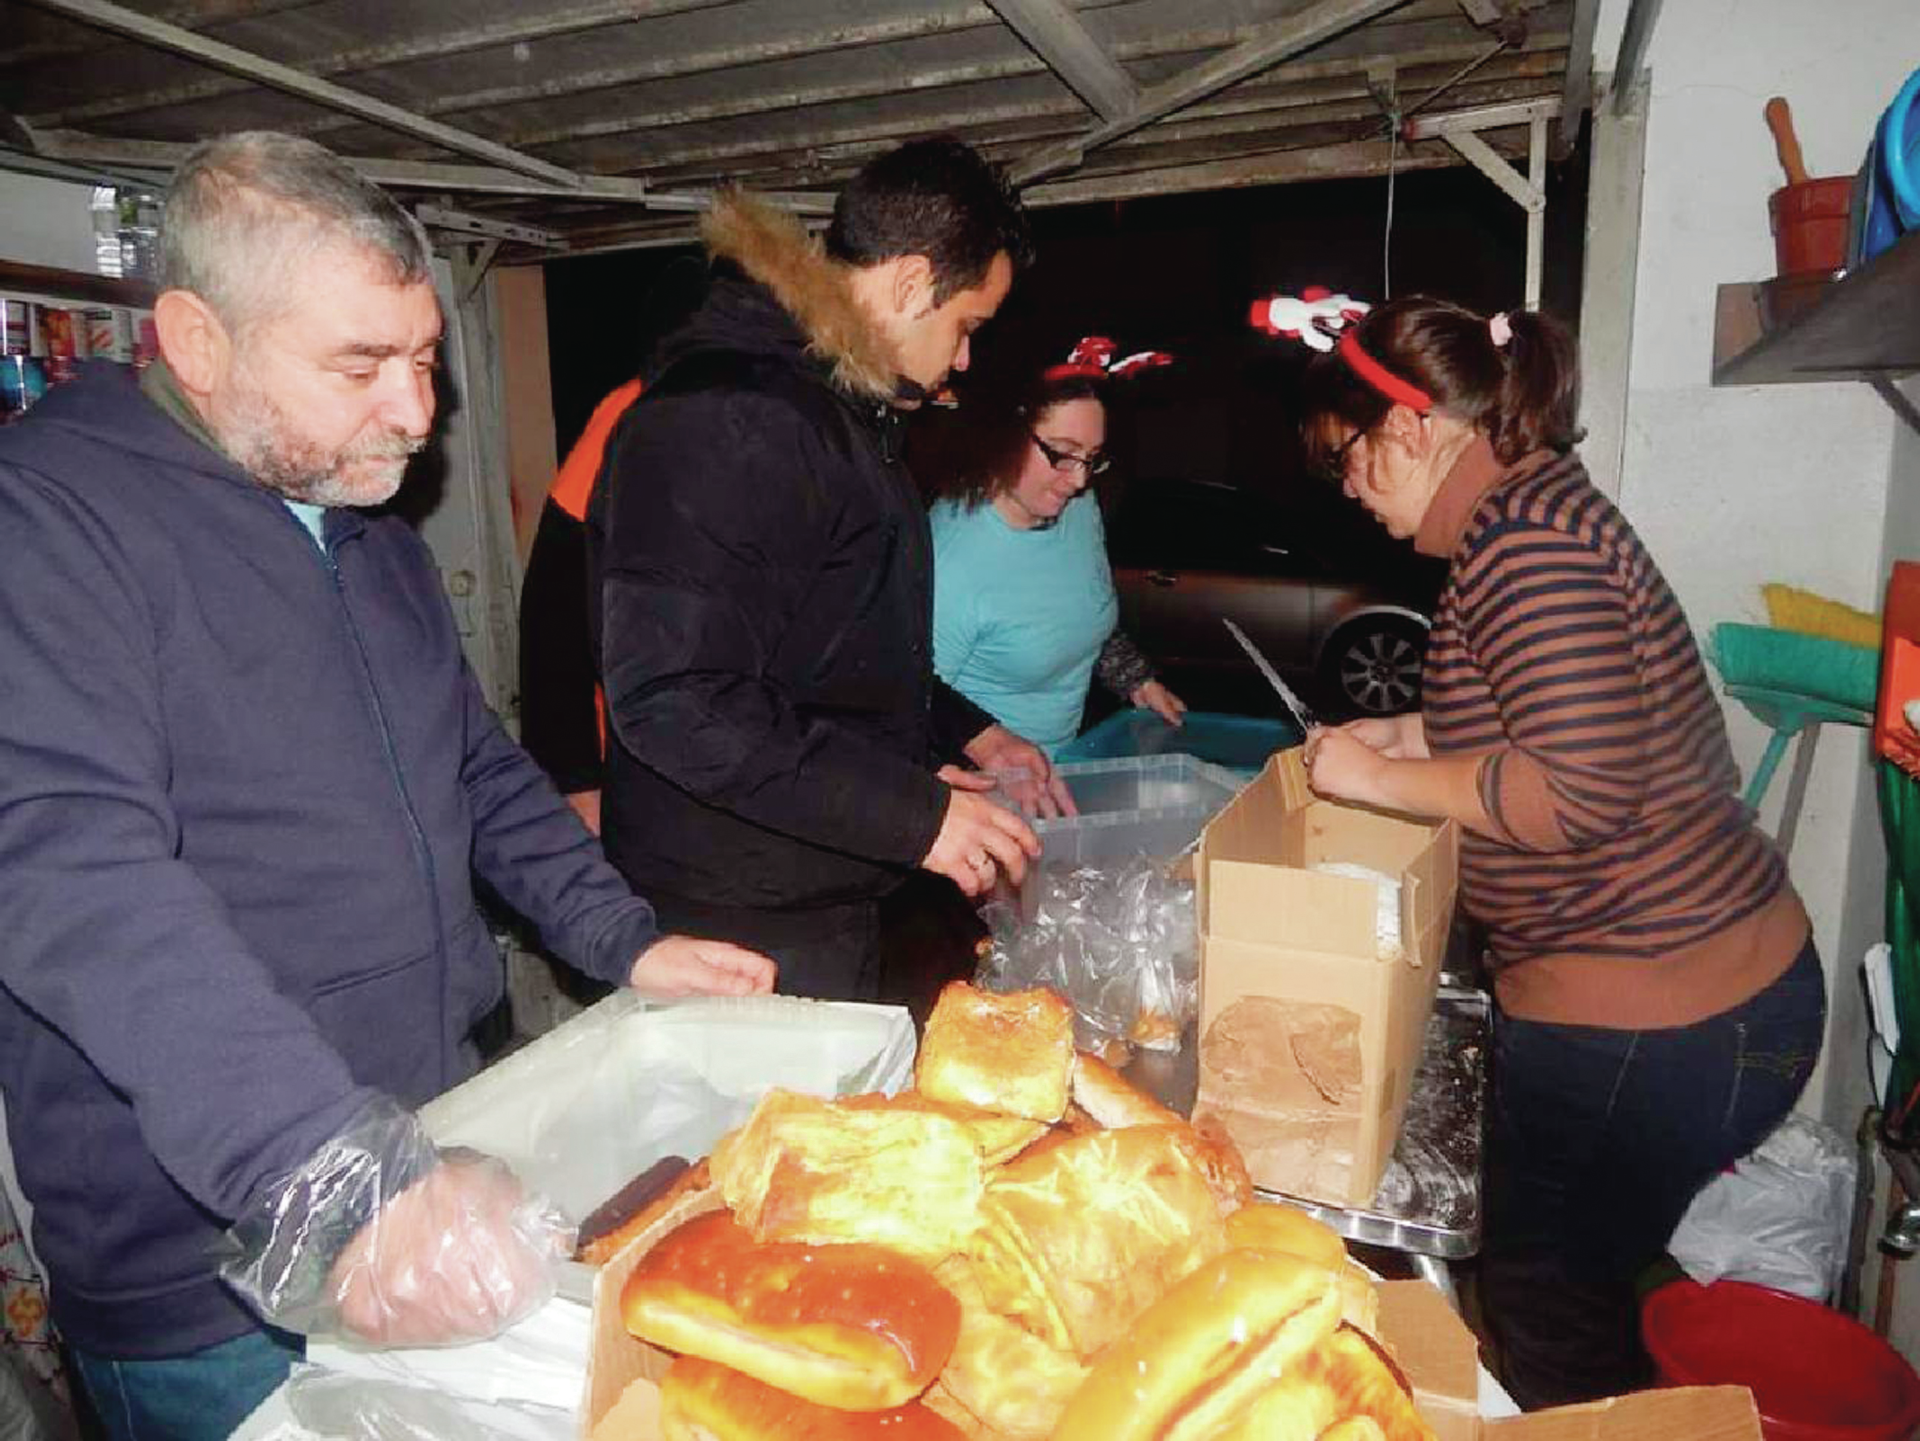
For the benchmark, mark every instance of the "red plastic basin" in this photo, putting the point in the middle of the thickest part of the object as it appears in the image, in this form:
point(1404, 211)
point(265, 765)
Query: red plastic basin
point(1815, 1374)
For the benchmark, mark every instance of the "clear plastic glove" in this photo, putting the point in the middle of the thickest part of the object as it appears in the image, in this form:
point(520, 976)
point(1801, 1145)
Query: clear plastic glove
point(385, 1239)
point(999, 751)
point(980, 840)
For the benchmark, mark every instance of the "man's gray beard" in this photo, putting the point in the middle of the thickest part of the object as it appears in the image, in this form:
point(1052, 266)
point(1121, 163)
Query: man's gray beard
point(261, 441)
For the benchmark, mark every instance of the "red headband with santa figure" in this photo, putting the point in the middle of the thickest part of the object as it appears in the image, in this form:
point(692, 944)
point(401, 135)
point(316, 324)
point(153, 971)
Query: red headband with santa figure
point(1319, 319)
point(1093, 358)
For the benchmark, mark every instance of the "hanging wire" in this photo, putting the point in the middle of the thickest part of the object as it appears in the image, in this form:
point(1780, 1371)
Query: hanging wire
point(1452, 80)
point(1386, 241)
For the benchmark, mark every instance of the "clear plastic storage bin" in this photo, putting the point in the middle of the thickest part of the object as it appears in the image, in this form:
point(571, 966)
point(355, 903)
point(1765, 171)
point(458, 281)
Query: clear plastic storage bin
point(1133, 805)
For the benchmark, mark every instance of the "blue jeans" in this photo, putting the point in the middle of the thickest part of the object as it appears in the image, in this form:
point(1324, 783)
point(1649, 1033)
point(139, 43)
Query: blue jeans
point(201, 1397)
point(1600, 1139)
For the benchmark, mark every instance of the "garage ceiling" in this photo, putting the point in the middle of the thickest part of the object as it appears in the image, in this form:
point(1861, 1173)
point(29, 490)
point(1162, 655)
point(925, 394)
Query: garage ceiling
point(587, 124)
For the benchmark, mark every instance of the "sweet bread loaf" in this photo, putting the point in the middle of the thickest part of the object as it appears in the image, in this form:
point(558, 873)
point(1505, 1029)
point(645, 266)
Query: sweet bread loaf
point(1011, 1053)
point(1194, 1363)
point(855, 1327)
point(1077, 1239)
point(804, 1169)
point(702, 1401)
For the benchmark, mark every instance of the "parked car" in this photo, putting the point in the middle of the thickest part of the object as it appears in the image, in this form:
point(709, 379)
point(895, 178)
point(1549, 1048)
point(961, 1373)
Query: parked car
point(1339, 609)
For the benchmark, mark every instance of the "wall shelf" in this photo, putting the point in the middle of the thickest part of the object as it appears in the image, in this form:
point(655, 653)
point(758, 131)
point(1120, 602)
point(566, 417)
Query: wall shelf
point(1866, 326)
point(74, 285)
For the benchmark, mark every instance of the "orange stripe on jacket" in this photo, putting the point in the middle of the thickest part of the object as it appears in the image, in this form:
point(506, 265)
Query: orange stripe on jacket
point(574, 482)
point(573, 485)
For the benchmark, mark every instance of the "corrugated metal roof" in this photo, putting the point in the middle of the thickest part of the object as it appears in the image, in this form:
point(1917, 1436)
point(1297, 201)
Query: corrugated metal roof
point(600, 122)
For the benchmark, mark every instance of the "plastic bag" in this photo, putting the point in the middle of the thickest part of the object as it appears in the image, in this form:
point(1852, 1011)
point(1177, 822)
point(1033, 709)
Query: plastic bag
point(353, 1408)
point(387, 1239)
point(1118, 942)
point(1779, 1218)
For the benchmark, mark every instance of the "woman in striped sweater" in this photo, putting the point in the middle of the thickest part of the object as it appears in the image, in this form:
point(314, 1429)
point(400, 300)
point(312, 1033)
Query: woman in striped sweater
point(1660, 1002)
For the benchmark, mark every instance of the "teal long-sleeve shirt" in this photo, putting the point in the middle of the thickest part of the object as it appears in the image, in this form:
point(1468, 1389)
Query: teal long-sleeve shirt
point(1019, 616)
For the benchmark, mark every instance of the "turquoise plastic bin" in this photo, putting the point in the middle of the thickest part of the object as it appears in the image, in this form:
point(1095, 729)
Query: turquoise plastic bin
point(1237, 742)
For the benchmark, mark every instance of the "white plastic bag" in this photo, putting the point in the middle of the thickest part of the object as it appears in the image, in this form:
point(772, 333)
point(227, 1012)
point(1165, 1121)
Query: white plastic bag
point(354, 1408)
point(1779, 1218)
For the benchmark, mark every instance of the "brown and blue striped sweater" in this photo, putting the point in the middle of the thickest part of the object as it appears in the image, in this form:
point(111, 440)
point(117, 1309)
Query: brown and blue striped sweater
point(1630, 887)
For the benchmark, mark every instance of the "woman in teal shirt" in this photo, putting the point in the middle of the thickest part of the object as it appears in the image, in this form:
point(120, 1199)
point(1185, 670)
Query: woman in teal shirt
point(1023, 605)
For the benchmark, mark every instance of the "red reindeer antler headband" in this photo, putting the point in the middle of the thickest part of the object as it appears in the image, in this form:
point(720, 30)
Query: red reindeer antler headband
point(1093, 358)
point(1315, 317)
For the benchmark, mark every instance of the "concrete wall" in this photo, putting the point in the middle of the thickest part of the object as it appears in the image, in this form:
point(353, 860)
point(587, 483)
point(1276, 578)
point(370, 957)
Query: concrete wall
point(528, 387)
point(1815, 485)
point(1732, 488)
point(46, 222)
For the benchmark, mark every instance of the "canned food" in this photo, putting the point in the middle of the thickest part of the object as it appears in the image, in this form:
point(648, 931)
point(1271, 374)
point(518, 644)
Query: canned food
point(110, 335)
point(56, 325)
point(16, 321)
point(146, 341)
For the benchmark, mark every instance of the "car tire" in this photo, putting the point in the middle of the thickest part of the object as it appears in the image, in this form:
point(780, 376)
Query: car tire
point(1373, 664)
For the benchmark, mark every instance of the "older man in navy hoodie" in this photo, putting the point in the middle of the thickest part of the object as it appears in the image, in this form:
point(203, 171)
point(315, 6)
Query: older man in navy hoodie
point(246, 783)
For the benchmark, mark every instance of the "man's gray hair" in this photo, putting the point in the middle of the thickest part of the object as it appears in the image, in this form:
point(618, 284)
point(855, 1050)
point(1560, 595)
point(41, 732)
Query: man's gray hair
point(245, 210)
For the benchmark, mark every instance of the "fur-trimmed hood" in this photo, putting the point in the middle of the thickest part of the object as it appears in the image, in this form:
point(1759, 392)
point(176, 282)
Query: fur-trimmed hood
point(774, 248)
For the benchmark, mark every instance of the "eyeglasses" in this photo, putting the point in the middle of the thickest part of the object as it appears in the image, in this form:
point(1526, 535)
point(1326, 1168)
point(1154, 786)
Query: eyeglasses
point(1067, 460)
point(1334, 466)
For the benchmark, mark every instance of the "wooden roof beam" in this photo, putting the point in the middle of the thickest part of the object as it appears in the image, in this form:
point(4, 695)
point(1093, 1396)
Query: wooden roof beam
point(1055, 34)
point(1274, 43)
point(1577, 93)
point(121, 21)
point(160, 156)
point(437, 44)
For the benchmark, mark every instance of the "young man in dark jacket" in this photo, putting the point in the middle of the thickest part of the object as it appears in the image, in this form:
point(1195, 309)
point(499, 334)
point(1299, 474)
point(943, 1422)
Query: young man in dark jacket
point(246, 780)
point(766, 580)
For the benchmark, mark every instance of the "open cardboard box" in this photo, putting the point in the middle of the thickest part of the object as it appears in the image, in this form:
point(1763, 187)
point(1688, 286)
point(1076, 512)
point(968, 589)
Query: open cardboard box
point(1433, 1346)
point(593, 1103)
point(1438, 1354)
point(1272, 927)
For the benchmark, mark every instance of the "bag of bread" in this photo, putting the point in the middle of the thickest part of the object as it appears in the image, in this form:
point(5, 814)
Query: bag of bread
point(1118, 941)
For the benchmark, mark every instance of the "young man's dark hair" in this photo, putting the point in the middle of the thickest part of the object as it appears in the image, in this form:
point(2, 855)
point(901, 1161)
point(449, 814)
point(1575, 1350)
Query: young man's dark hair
point(938, 198)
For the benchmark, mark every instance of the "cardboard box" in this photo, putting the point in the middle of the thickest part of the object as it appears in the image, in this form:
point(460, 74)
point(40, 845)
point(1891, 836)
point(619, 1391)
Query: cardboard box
point(1319, 1110)
point(1433, 1346)
point(589, 1105)
point(1439, 1357)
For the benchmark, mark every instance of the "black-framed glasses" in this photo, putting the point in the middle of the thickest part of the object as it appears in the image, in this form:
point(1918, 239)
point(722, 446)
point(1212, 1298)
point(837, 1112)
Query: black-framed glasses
point(1335, 463)
point(1065, 459)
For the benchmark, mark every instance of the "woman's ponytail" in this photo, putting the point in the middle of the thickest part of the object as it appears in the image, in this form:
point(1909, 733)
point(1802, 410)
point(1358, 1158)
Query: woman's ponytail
point(1539, 395)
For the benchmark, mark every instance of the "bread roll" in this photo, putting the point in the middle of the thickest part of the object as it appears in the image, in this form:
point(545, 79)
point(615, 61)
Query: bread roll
point(825, 1172)
point(1220, 1162)
point(1199, 1357)
point(1111, 1100)
point(701, 1401)
point(1007, 1381)
point(941, 1402)
point(1077, 1239)
point(1114, 1101)
point(1354, 1428)
point(997, 1136)
point(1011, 1053)
point(1346, 1379)
point(1359, 1298)
point(620, 1220)
point(1271, 1226)
point(856, 1327)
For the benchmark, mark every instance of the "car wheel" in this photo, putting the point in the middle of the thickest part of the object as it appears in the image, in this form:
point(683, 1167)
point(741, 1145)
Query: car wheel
point(1373, 664)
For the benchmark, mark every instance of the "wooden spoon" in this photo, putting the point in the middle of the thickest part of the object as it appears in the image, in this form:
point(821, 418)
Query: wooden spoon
point(1785, 142)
